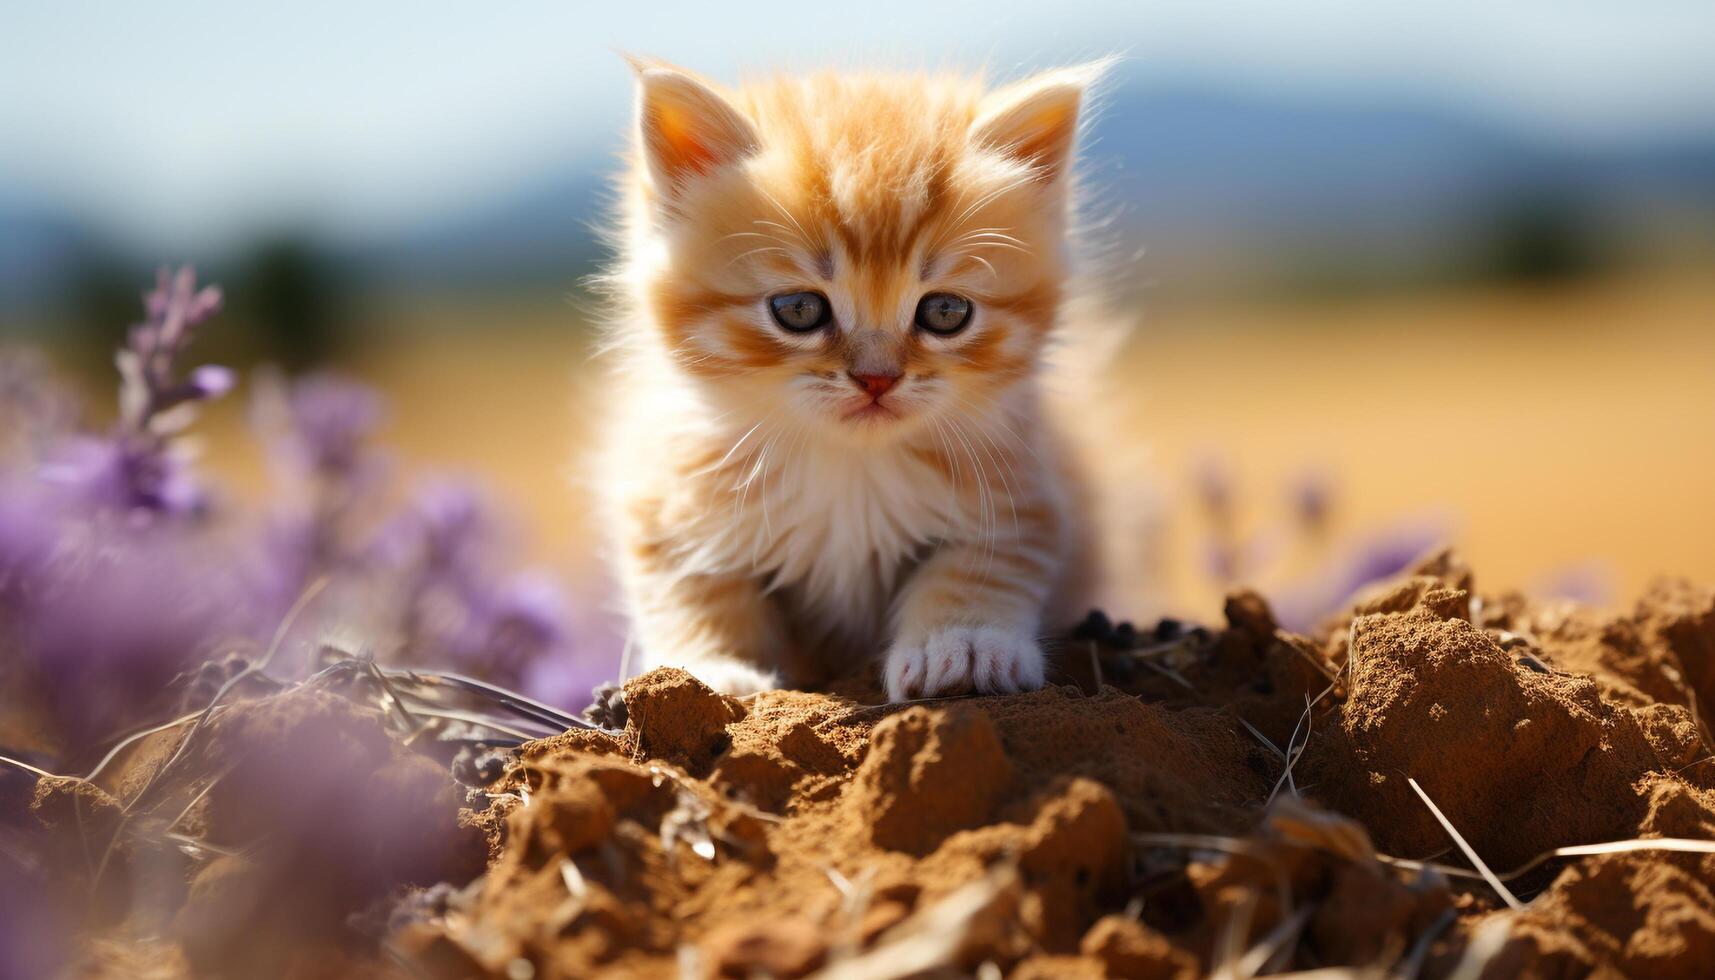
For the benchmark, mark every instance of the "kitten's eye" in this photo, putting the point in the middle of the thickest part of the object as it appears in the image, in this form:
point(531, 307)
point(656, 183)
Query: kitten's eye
point(943, 313)
point(800, 312)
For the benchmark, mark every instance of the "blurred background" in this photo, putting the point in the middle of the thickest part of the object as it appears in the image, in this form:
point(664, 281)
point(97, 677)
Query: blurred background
point(1400, 273)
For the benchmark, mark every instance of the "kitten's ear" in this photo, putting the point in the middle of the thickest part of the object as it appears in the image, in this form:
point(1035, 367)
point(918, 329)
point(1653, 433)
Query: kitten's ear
point(1036, 120)
point(685, 127)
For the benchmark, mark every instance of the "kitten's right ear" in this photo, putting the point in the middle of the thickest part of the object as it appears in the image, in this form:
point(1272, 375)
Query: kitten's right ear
point(1035, 120)
point(685, 127)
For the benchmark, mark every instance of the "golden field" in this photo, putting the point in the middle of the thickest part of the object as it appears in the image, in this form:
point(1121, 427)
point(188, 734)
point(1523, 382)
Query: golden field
point(1550, 428)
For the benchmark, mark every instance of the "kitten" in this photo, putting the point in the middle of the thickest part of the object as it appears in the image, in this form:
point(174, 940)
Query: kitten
point(835, 296)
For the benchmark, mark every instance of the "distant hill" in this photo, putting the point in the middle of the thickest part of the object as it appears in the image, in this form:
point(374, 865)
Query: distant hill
point(39, 247)
point(1192, 175)
point(1185, 171)
point(535, 233)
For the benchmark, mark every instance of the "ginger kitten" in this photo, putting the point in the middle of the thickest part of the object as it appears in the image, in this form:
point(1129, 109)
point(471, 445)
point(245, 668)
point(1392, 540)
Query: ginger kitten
point(828, 440)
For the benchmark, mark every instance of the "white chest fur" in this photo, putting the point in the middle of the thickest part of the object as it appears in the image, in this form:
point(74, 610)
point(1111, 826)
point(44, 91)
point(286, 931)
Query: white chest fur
point(835, 530)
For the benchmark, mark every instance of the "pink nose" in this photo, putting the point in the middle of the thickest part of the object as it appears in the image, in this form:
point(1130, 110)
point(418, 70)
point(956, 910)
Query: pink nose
point(876, 384)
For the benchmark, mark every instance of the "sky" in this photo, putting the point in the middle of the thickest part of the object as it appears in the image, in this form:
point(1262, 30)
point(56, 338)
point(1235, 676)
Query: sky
point(183, 121)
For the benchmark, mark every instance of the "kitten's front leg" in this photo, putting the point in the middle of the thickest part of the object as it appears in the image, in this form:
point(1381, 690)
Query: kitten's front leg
point(721, 628)
point(968, 620)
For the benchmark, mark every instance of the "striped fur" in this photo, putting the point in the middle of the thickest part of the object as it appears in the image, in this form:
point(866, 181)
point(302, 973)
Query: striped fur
point(770, 526)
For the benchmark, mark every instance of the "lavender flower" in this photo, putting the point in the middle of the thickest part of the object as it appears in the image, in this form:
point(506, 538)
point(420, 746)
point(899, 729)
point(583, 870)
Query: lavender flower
point(442, 550)
point(1588, 583)
point(527, 617)
point(1212, 480)
point(137, 477)
point(117, 575)
point(1375, 557)
point(148, 388)
point(461, 608)
point(1222, 551)
point(137, 470)
point(323, 424)
point(1312, 494)
point(331, 481)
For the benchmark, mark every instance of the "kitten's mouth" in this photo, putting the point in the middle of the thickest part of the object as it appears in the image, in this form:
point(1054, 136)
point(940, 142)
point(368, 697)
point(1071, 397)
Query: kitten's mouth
point(873, 411)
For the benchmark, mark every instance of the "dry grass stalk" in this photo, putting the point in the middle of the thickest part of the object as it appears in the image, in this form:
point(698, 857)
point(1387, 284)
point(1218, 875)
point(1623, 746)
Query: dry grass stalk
point(1470, 852)
point(1490, 938)
point(931, 939)
point(1680, 845)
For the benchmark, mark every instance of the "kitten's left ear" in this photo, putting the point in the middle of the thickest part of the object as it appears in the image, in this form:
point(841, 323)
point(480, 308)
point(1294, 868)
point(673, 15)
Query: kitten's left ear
point(1036, 120)
point(685, 127)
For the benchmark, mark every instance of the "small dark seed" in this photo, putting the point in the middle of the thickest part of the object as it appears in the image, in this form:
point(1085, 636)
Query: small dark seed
point(1094, 627)
point(1125, 635)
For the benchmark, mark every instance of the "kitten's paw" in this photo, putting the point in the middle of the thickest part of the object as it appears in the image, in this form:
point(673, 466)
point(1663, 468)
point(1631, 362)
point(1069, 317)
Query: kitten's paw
point(730, 676)
point(958, 659)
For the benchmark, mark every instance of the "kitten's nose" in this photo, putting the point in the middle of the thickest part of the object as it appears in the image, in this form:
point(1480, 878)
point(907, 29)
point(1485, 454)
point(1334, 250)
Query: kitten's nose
point(876, 384)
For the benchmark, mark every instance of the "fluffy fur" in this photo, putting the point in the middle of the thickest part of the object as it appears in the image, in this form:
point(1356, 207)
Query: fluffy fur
point(773, 520)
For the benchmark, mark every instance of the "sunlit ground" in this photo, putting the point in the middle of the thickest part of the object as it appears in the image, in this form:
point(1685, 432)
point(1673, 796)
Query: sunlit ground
point(1550, 429)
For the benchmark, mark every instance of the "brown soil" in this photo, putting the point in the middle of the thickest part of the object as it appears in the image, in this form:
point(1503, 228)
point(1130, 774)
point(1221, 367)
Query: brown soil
point(1127, 829)
point(1133, 819)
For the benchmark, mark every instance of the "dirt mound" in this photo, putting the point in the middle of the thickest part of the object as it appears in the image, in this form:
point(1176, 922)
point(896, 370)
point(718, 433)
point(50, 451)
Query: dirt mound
point(1176, 801)
point(1237, 799)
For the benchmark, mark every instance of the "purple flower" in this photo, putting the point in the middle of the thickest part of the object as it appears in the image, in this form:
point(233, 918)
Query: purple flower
point(456, 527)
point(136, 470)
point(104, 611)
point(526, 618)
point(1212, 480)
point(148, 362)
point(331, 482)
point(1369, 559)
point(1220, 560)
point(1587, 583)
point(126, 476)
point(210, 381)
point(326, 422)
point(117, 574)
point(1312, 495)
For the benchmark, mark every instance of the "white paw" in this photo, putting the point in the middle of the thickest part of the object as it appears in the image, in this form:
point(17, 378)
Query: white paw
point(730, 676)
point(958, 659)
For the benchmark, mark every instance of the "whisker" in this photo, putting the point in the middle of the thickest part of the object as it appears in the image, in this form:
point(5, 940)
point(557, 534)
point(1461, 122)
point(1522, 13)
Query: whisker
point(804, 236)
point(757, 251)
point(985, 500)
point(747, 234)
point(988, 198)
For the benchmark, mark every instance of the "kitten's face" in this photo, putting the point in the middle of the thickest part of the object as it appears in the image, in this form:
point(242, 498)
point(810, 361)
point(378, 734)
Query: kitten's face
point(862, 256)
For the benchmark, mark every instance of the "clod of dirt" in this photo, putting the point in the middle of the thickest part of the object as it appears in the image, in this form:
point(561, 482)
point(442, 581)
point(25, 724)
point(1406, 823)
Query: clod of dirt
point(1184, 770)
point(1519, 761)
point(1679, 619)
point(1641, 914)
point(784, 948)
point(928, 774)
point(672, 716)
point(1128, 948)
